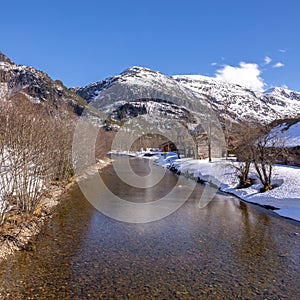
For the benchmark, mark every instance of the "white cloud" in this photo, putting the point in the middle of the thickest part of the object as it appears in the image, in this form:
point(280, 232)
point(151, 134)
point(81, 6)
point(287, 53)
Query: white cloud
point(278, 65)
point(246, 74)
point(213, 63)
point(267, 60)
point(282, 50)
point(284, 86)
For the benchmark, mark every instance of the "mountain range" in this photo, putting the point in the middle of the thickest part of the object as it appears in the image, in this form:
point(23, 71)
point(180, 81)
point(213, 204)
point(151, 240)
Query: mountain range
point(27, 82)
point(238, 102)
point(168, 94)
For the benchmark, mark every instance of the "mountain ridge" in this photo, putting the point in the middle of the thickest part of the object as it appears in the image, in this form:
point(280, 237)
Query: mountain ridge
point(240, 102)
point(236, 101)
point(36, 86)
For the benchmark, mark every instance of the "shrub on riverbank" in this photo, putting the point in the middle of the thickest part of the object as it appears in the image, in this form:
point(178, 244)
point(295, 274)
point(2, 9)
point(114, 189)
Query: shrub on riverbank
point(35, 151)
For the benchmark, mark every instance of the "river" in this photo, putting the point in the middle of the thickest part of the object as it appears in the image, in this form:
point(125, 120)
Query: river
point(226, 250)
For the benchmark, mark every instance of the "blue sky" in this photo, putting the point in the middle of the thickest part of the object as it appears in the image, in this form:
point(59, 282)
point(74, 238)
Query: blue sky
point(252, 42)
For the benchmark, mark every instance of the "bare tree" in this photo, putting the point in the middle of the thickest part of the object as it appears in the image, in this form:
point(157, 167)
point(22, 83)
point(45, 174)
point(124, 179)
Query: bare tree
point(266, 150)
point(261, 145)
point(244, 137)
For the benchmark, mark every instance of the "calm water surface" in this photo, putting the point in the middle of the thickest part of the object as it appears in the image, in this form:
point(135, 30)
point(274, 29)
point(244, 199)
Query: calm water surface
point(227, 250)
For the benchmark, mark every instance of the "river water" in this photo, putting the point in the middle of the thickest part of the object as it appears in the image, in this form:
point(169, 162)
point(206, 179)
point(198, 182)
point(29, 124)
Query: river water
point(227, 250)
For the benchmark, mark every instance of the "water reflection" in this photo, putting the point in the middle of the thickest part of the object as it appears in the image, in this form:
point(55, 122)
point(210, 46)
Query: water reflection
point(258, 236)
point(226, 250)
point(130, 193)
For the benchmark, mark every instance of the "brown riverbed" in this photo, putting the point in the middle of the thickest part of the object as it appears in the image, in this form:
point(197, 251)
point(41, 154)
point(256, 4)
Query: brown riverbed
point(227, 250)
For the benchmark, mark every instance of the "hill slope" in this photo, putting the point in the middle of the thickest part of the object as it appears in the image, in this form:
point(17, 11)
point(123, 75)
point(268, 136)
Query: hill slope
point(238, 102)
point(24, 81)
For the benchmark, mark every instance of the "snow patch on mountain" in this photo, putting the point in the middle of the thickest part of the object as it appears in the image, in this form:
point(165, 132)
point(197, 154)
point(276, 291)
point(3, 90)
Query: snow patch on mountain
point(37, 86)
point(289, 134)
point(236, 101)
point(243, 103)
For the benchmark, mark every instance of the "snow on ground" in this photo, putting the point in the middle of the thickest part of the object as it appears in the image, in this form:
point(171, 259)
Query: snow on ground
point(16, 180)
point(285, 197)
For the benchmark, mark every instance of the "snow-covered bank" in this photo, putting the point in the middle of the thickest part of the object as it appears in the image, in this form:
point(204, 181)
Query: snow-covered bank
point(285, 197)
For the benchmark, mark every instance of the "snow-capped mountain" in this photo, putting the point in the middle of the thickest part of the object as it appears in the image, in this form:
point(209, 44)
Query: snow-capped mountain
point(232, 99)
point(37, 86)
point(133, 84)
point(287, 132)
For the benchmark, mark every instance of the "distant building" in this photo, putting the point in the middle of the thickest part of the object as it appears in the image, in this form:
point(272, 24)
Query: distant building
point(168, 147)
point(171, 147)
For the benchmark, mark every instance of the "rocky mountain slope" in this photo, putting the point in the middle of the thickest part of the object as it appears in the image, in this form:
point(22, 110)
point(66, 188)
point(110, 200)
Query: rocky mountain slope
point(233, 100)
point(287, 132)
point(24, 81)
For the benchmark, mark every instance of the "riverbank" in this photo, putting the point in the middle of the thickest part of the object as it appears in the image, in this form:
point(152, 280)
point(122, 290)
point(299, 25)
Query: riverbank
point(226, 250)
point(17, 232)
point(284, 198)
